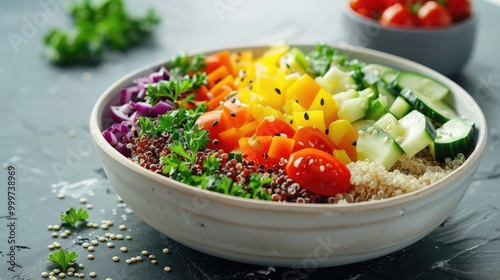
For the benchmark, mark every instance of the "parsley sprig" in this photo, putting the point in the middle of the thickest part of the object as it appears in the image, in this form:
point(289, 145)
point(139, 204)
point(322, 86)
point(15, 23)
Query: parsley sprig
point(72, 216)
point(184, 65)
point(63, 258)
point(97, 24)
point(322, 58)
point(175, 87)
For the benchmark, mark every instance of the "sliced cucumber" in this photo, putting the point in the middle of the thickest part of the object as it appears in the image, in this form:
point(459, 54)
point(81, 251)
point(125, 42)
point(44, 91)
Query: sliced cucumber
point(400, 107)
point(369, 92)
point(344, 95)
point(389, 78)
point(377, 109)
point(377, 69)
point(428, 87)
point(418, 133)
point(383, 90)
point(377, 146)
point(437, 110)
point(389, 124)
point(353, 109)
point(453, 138)
point(360, 124)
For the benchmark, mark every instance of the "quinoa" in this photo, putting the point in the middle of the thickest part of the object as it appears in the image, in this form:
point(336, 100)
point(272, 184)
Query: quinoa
point(370, 181)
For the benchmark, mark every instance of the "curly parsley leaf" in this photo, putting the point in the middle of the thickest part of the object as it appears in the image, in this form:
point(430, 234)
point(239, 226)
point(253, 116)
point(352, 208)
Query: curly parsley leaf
point(63, 258)
point(184, 65)
point(174, 88)
point(72, 216)
point(322, 58)
point(97, 25)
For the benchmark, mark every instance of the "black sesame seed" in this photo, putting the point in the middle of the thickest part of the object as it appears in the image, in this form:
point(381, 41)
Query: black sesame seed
point(242, 79)
point(287, 66)
point(327, 131)
point(249, 87)
point(306, 116)
point(322, 102)
point(354, 143)
point(215, 141)
point(265, 155)
point(278, 90)
point(215, 123)
point(291, 121)
point(233, 100)
point(217, 81)
point(232, 114)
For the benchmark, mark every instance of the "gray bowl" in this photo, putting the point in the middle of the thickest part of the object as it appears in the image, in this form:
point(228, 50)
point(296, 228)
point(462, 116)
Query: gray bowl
point(445, 50)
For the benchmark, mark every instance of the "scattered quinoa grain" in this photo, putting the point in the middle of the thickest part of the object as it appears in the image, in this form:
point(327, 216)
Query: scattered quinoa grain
point(102, 239)
point(54, 234)
point(94, 242)
point(57, 245)
point(107, 234)
point(119, 236)
point(109, 222)
point(144, 252)
point(44, 274)
point(152, 257)
point(81, 266)
point(128, 237)
point(68, 232)
point(122, 227)
point(52, 278)
point(92, 274)
point(104, 226)
point(112, 236)
point(69, 273)
point(82, 275)
point(89, 206)
point(83, 200)
point(153, 261)
point(90, 256)
point(91, 248)
point(52, 246)
point(63, 235)
point(85, 245)
point(76, 275)
point(116, 258)
point(62, 275)
point(167, 268)
point(138, 258)
point(110, 245)
point(56, 227)
point(50, 227)
point(128, 261)
point(71, 269)
point(123, 249)
point(60, 195)
point(166, 250)
point(56, 270)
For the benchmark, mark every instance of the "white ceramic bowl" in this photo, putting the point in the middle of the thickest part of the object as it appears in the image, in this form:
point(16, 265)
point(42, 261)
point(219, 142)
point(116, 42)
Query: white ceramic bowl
point(446, 50)
point(279, 234)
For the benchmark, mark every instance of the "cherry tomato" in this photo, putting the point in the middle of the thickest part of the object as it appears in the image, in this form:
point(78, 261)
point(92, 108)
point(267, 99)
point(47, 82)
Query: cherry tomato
point(311, 137)
point(318, 172)
point(370, 8)
point(459, 9)
point(397, 15)
point(432, 14)
point(275, 127)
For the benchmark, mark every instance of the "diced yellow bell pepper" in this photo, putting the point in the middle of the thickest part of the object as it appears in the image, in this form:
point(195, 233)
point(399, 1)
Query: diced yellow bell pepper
point(271, 57)
point(291, 106)
point(259, 112)
point(272, 87)
point(309, 118)
point(342, 156)
point(324, 101)
point(303, 91)
point(343, 134)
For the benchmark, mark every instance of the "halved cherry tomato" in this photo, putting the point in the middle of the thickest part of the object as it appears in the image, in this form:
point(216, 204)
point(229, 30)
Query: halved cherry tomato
point(318, 172)
point(432, 14)
point(311, 137)
point(370, 8)
point(275, 127)
point(459, 9)
point(397, 15)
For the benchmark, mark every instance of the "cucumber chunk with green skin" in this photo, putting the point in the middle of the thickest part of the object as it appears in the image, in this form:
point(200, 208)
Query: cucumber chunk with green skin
point(389, 78)
point(377, 69)
point(431, 89)
point(437, 110)
point(389, 124)
point(378, 108)
point(377, 146)
point(418, 133)
point(400, 107)
point(453, 137)
point(384, 90)
point(354, 109)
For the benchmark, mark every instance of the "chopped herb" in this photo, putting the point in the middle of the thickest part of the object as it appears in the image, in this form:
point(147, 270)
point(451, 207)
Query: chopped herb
point(72, 216)
point(184, 65)
point(63, 258)
point(97, 24)
point(174, 88)
point(322, 58)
